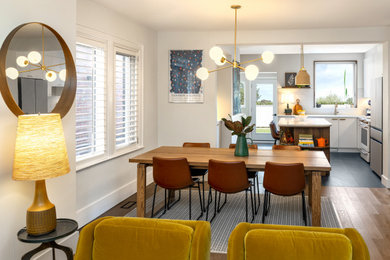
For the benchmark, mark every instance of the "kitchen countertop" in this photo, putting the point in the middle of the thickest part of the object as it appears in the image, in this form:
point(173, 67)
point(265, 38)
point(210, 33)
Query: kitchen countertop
point(303, 122)
point(327, 116)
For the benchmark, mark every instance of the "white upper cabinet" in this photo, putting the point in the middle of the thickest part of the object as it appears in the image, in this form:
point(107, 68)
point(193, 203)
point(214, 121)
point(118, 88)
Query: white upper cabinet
point(373, 68)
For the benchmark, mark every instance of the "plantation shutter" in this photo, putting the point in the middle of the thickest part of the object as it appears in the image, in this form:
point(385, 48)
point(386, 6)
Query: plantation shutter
point(90, 101)
point(126, 99)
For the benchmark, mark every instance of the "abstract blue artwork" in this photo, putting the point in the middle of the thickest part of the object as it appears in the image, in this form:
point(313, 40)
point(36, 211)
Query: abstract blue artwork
point(185, 87)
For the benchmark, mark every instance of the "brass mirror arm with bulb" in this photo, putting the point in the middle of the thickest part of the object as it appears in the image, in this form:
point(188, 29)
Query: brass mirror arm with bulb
point(34, 59)
point(216, 54)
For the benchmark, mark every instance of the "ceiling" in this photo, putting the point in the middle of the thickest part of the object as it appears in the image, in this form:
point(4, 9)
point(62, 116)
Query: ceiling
point(308, 48)
point(254, 15)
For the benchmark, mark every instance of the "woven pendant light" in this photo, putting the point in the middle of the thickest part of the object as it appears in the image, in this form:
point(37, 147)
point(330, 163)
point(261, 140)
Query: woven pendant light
point(302, 78)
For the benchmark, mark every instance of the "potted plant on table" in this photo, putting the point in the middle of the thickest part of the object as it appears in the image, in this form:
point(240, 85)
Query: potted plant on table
point(240, 128)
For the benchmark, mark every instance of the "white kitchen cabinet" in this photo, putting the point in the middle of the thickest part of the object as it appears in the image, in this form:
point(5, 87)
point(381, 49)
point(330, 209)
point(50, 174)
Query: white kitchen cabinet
point(343, 132)
point(348, 132)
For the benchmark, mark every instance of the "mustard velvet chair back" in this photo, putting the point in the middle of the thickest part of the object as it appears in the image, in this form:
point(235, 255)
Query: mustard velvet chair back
point(278, 242)
point(123, 238)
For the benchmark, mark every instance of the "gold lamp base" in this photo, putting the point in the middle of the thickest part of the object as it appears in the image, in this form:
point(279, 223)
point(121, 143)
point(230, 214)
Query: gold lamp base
point(41, 215)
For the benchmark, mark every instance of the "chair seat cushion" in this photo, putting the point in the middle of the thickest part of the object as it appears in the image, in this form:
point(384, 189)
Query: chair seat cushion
point(294, 245)
point(143, 239)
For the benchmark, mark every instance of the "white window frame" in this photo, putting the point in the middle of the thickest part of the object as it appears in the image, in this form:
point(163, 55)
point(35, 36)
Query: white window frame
point(112, 44)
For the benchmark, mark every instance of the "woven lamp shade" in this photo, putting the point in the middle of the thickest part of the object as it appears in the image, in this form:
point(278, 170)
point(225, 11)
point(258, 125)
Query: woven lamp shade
point(302, 78)
point(40, 150)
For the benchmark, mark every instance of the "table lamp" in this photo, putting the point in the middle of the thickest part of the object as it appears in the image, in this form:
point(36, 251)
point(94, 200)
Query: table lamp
point(286, 99)
point(40, 154)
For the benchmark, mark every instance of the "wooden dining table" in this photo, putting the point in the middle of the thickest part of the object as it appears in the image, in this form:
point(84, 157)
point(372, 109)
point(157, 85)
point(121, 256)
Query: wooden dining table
point(314, 163)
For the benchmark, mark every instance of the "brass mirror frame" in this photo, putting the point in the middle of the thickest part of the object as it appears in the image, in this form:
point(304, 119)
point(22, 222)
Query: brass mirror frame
point(68, 93)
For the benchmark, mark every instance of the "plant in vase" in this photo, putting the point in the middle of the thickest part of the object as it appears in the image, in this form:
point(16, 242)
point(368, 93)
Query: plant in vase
point(240, 128)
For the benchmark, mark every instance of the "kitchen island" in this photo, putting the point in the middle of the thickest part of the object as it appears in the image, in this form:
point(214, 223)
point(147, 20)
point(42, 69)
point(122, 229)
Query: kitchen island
point(317, 127)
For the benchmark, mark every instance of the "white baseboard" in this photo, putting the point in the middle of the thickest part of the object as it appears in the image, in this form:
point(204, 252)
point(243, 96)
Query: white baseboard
point(70, 241)
point(101, 205)
point(385, 181)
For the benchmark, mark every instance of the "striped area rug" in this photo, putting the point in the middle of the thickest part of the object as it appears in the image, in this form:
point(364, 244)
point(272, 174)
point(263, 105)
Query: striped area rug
point(284, 211)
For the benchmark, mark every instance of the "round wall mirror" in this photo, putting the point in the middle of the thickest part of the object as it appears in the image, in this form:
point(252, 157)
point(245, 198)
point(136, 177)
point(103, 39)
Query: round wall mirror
point(37, 71)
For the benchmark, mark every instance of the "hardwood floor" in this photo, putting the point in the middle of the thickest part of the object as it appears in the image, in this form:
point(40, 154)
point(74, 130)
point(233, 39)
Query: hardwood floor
point(366, 209)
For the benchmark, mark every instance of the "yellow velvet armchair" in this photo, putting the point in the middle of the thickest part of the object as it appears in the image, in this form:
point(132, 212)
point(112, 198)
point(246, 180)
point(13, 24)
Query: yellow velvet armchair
point(120, 238)
point(271, 242)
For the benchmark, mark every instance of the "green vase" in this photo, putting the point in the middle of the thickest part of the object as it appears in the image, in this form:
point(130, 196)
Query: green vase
point(241, 146)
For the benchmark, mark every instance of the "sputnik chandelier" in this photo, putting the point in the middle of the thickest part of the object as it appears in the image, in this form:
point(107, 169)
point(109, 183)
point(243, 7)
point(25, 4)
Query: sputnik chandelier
point(216, 54)
point(37, 62)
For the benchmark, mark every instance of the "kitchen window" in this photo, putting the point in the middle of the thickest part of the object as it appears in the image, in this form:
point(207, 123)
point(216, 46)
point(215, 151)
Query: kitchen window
point(335, 82)
point(108, 98)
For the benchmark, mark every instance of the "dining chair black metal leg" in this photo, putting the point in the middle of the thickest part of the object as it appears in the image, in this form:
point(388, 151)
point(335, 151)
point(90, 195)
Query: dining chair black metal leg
point(154, 199)
point(219, 199)
point(215, 207)
point(189, 199)
point(304, 208)
point(246, 205)
point(264, 206)
point(201, 205)
point(165, 203)
point(268, 202)
point(253, 205)
point(258, 194)
point(208, 203)
point(204, 200)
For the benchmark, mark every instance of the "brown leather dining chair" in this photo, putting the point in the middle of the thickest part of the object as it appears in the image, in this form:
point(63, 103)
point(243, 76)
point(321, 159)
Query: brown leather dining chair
point(252, 175)
point(286, 147)
point(173, 174)
point(274, 132)
point(199, 172)
point(284, 179)
point(228, 178)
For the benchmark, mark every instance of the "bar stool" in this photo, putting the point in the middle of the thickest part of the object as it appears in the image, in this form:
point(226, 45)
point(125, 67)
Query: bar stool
point(252, 175)
point(173, 174)
point(199, 172)
point(274, 132)
point(284, 179)
point(228, 178)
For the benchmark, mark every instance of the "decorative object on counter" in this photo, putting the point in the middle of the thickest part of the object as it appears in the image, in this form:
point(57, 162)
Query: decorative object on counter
point(286, 99)
point(289, 79)
point(240, 128)
point(322, 142)
point(185, 87)
point(297, 107)
point(306, 140)
point(216, 54)
point(40, 154)
point(303, 78)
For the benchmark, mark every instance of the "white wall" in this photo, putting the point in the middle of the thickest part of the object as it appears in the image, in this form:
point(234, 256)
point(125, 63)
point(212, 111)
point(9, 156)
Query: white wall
point(16, 196)
point(291, 63)
point(102, 186)
point(178, 123)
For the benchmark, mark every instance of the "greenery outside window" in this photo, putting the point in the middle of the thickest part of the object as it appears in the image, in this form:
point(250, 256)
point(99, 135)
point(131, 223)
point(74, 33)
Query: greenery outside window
point(335, 82)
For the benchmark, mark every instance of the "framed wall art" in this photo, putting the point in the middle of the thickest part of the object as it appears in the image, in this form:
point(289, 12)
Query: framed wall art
point(289, 79)
point(185, 87)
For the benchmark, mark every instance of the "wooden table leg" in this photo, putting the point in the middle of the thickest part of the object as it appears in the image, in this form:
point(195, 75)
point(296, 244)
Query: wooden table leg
point(310, 190)
point(316, 199)
point(141, 192)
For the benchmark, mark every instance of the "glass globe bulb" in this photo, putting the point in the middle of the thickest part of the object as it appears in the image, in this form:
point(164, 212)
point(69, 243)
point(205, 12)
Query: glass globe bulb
point(202, 73)
point(34, 57)
point(51, 76)
point(22, 61)
point(62, 75)
point(251, 72)
point(12, 73)
point(219, 62)
point(216, 53)
point(267, 57)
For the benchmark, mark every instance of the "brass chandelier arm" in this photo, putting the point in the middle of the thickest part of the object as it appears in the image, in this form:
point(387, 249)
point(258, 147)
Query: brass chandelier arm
point(47, 69)
point(226, 67)
point(249, 61)
point(29, 70)
point(35, 65)
point(55, 65)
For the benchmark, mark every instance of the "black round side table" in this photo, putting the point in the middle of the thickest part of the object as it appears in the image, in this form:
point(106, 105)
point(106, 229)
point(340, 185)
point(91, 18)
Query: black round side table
point(64, 228)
